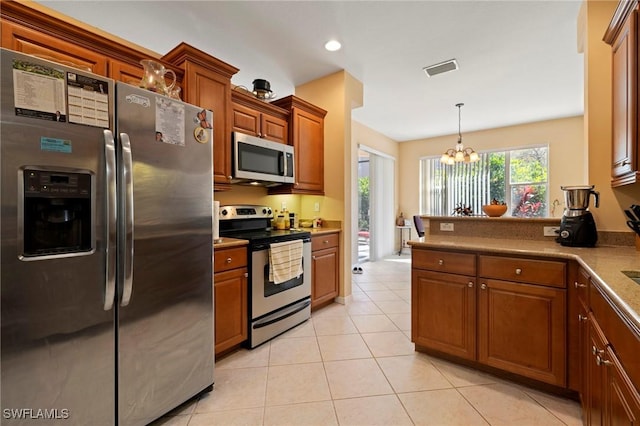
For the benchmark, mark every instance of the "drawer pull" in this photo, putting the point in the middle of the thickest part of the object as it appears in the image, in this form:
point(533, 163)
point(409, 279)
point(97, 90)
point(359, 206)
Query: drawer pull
point(518, 271)
point(602, 361)
point(440, 262)
point(470, 284)
point(229, 260)
point(581, 317)
point(579, 285)
point(326, 241)
point(483, 286)
point(596, 351)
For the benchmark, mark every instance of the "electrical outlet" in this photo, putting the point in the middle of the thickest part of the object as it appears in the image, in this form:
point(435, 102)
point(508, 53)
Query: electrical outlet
point(446, 227)
point(551, 231)
point(284, 206)
point(316, 207)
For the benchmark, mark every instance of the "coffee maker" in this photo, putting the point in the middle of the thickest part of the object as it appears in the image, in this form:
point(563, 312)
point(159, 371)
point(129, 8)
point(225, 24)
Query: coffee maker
point(577, 227)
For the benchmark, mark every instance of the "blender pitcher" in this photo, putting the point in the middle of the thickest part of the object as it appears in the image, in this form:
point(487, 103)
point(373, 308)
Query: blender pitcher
point(576, 199)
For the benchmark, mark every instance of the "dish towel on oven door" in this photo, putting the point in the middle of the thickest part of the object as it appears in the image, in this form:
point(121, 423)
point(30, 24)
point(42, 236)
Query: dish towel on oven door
point(285, 261)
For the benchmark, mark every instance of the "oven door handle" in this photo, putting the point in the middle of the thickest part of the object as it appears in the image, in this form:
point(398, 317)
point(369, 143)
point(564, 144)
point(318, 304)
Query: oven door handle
point(271, 320)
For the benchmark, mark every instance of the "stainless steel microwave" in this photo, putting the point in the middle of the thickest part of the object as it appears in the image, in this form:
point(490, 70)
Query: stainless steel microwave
point(261, 161)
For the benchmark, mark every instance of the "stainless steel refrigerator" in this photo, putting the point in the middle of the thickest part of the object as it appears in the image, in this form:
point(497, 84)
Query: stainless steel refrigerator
point(106, 248)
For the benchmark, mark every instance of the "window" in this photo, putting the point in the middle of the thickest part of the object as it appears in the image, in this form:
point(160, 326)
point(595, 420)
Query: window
point(518, 177)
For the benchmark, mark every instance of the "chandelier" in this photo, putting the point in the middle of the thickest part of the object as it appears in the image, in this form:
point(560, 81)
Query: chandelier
point(459, 153)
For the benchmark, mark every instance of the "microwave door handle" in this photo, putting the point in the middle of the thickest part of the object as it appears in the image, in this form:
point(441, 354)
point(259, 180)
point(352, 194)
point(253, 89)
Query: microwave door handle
point(110, 229)
point(126, 252)
point(283, 164)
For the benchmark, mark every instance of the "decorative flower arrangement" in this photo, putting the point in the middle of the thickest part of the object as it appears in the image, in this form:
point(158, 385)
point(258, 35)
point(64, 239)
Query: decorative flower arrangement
point(462, 210)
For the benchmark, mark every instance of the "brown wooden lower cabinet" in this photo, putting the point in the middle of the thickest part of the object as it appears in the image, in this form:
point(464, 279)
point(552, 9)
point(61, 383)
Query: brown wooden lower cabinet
point(522, 329)
point(507, 313)
point(449, 326)
point(516, 327)
point(325, 269)
point(230, 285)
point(622, 398)
point(609, 354)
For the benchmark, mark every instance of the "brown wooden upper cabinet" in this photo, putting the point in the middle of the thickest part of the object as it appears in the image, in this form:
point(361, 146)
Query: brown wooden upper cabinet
point(207, 83)
point(306, 134)
point(622, 35)
point(258, 118)
point(125, 72)
point(32, 31)
point(31, 42)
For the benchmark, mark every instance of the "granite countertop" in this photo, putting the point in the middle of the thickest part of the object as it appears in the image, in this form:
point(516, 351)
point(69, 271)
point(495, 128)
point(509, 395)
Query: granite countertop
point(604, 264)
point(321, 231)
point(229, 242)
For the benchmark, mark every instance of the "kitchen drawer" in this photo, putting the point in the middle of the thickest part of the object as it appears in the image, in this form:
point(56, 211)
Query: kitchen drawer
point(231, 258)
point(319, 242)
point(544, 272)
point(444, 261)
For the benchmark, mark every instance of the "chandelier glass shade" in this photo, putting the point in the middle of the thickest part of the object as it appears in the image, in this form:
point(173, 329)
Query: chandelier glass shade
point(459, 154)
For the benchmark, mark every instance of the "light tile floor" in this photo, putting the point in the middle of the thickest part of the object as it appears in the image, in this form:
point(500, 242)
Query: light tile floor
point(356, 365)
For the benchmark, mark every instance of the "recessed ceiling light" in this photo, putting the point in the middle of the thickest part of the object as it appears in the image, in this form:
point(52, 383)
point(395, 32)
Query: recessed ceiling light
point(332, 45)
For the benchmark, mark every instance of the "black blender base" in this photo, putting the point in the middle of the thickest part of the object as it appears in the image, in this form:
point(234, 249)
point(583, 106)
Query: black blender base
point(578, 231)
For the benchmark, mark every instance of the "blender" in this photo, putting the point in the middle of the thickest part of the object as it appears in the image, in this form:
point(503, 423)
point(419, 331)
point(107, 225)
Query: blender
point(577, 227)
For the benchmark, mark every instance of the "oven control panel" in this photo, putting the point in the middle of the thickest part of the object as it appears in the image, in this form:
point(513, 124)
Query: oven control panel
point(246, 211)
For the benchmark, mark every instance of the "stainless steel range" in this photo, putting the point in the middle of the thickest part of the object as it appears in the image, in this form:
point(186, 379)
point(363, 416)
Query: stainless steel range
point(273, 308)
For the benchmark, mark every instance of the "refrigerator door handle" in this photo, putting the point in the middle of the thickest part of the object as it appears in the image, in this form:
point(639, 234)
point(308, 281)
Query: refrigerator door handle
point(110, 229)
point(127, 250)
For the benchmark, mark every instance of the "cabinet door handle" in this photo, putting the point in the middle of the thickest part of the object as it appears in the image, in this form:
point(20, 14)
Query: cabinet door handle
point(625, 162)
point(229, 260)
point(440, 262)
point(470, 284)
point(579, 285)
point(313, 257)
point(596, 351)
point(483, 286)
point(582, 317)
point(246, 275)
point(602, 361)
point(518, 271)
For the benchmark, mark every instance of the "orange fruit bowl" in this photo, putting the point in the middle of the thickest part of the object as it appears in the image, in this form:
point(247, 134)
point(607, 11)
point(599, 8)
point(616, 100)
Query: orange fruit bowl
point(494, 210)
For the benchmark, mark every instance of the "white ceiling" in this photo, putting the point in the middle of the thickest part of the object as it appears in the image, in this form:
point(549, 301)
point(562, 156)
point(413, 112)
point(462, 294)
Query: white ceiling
point(518, 59)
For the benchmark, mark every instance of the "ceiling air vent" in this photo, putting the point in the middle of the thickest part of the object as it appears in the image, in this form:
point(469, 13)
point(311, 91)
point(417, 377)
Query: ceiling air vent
point(442, 67)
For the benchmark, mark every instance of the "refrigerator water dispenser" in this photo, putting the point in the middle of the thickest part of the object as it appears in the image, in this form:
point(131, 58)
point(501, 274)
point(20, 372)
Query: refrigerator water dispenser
point(57, 213)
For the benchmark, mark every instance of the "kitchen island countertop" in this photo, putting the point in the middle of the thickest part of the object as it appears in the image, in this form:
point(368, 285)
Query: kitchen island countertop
point(603, 263)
